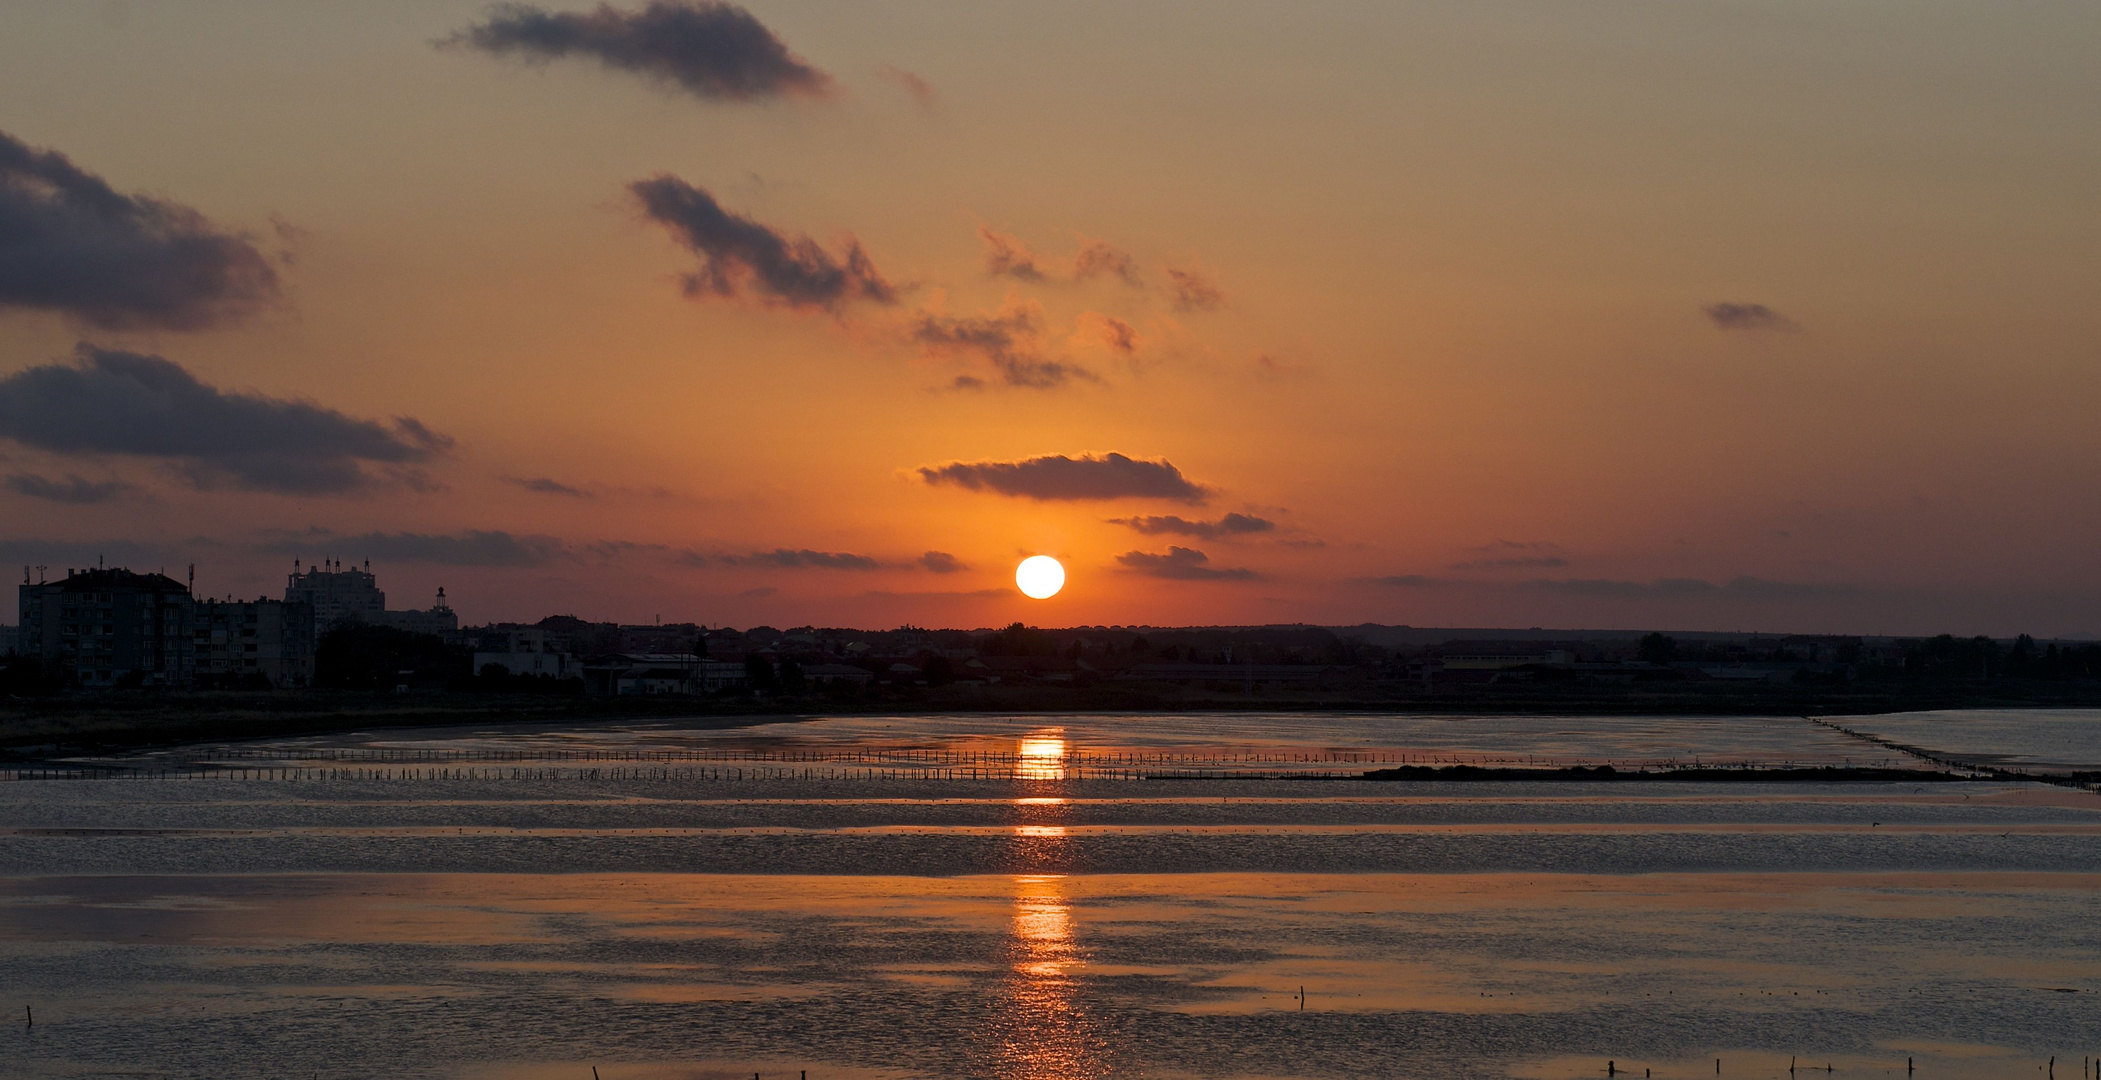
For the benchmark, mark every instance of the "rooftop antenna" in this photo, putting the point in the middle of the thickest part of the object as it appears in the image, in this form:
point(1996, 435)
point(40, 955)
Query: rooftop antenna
point(193, 577)
point(40, 574)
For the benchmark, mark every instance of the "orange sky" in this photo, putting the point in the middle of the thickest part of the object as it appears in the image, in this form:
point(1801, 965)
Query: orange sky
point(1460, 356)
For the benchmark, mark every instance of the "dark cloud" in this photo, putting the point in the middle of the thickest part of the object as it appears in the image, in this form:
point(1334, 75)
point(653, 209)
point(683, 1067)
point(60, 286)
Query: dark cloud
point(1058, 477)
point(1009, 341)
point(804, 558)
point(1170, 525)
point(1410, 581)
point(1181, 564)
point(921, 90)
point(542, 485)
point(72, 489)
point(1193, 290)
point(759, 593)
point(712, 50)
point(474, 547)
point(1740, 588)
point(72, 244)
point(740, 255)
point(941, 562)
point(1728, 316)
point(112, 402)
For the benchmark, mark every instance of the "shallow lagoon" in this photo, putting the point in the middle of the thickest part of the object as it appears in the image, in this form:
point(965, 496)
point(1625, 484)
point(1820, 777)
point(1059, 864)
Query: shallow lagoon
point(478, 922)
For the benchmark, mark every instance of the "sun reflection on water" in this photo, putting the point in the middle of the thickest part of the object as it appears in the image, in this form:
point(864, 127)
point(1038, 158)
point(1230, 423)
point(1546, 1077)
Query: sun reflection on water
point(1041, 756)
point(1045, 1030)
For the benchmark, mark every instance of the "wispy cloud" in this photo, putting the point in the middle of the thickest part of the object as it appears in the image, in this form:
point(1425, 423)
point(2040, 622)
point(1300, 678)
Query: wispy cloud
point(739, 255)
point(1733, 316)
point(922, 91)
point(1514, 555)
point(804, 559)
point(1107, 332)
point(1059, 477)
point(1009, 341)
point(112, 402)
point(1171, 525)
point(1193, 289)
point(70, 243)
point(473, 547)
point(72, 489)
point(541, 485)
point(712, 50)
point(1741, 588)
point(1009, 256)
point(1100, 258)
point(1182, 564)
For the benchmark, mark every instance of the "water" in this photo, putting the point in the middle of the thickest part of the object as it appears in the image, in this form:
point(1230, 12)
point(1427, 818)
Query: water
point(467, 903)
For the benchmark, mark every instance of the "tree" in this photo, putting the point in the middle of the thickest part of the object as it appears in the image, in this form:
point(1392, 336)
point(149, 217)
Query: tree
point(1658, 648)
point(758, 672)
point(790, 676)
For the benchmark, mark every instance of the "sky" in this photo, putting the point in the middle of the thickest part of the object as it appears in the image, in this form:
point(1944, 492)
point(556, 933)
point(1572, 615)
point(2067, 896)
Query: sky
point(1727, 316)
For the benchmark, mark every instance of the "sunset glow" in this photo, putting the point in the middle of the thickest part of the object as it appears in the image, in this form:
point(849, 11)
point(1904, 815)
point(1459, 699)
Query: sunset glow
point(1414, 313)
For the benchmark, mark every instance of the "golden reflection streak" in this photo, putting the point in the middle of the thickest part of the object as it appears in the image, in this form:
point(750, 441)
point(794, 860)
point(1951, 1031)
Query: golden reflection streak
point(1045, 1032)
point(1041, 756)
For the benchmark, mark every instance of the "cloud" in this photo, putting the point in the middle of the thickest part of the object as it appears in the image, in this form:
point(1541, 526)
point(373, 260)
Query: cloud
point(1410, 581)
point(542, 485)
point(1099, 258)
point(112, 402)
point(740, 255)
point(1009, 340)
point(1058, 477)
point(804, 559)
point(1514, 555)
point(1193, 290)
point(70, 243)
point(941, 562)
point(1107, 331)
point(1728, 316)
point(759, 593)
point(1170, 525)
point(1008, 256)
point(921, 90)
point(72, 489)
point(1181, 564)
point(715, 51)
point(1741, 588)
point(1537, 562)
point(474, 547)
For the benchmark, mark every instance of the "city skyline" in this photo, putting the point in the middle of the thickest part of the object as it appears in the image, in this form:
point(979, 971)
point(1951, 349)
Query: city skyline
point(1626, 316)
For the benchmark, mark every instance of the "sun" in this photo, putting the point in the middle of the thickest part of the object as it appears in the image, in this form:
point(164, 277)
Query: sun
point(1040, 577)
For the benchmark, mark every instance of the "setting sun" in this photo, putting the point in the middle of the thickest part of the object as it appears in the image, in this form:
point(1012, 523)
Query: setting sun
point(1040, 577)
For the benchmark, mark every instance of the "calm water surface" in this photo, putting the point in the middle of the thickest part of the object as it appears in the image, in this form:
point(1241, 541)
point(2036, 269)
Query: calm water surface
point(461, 903)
